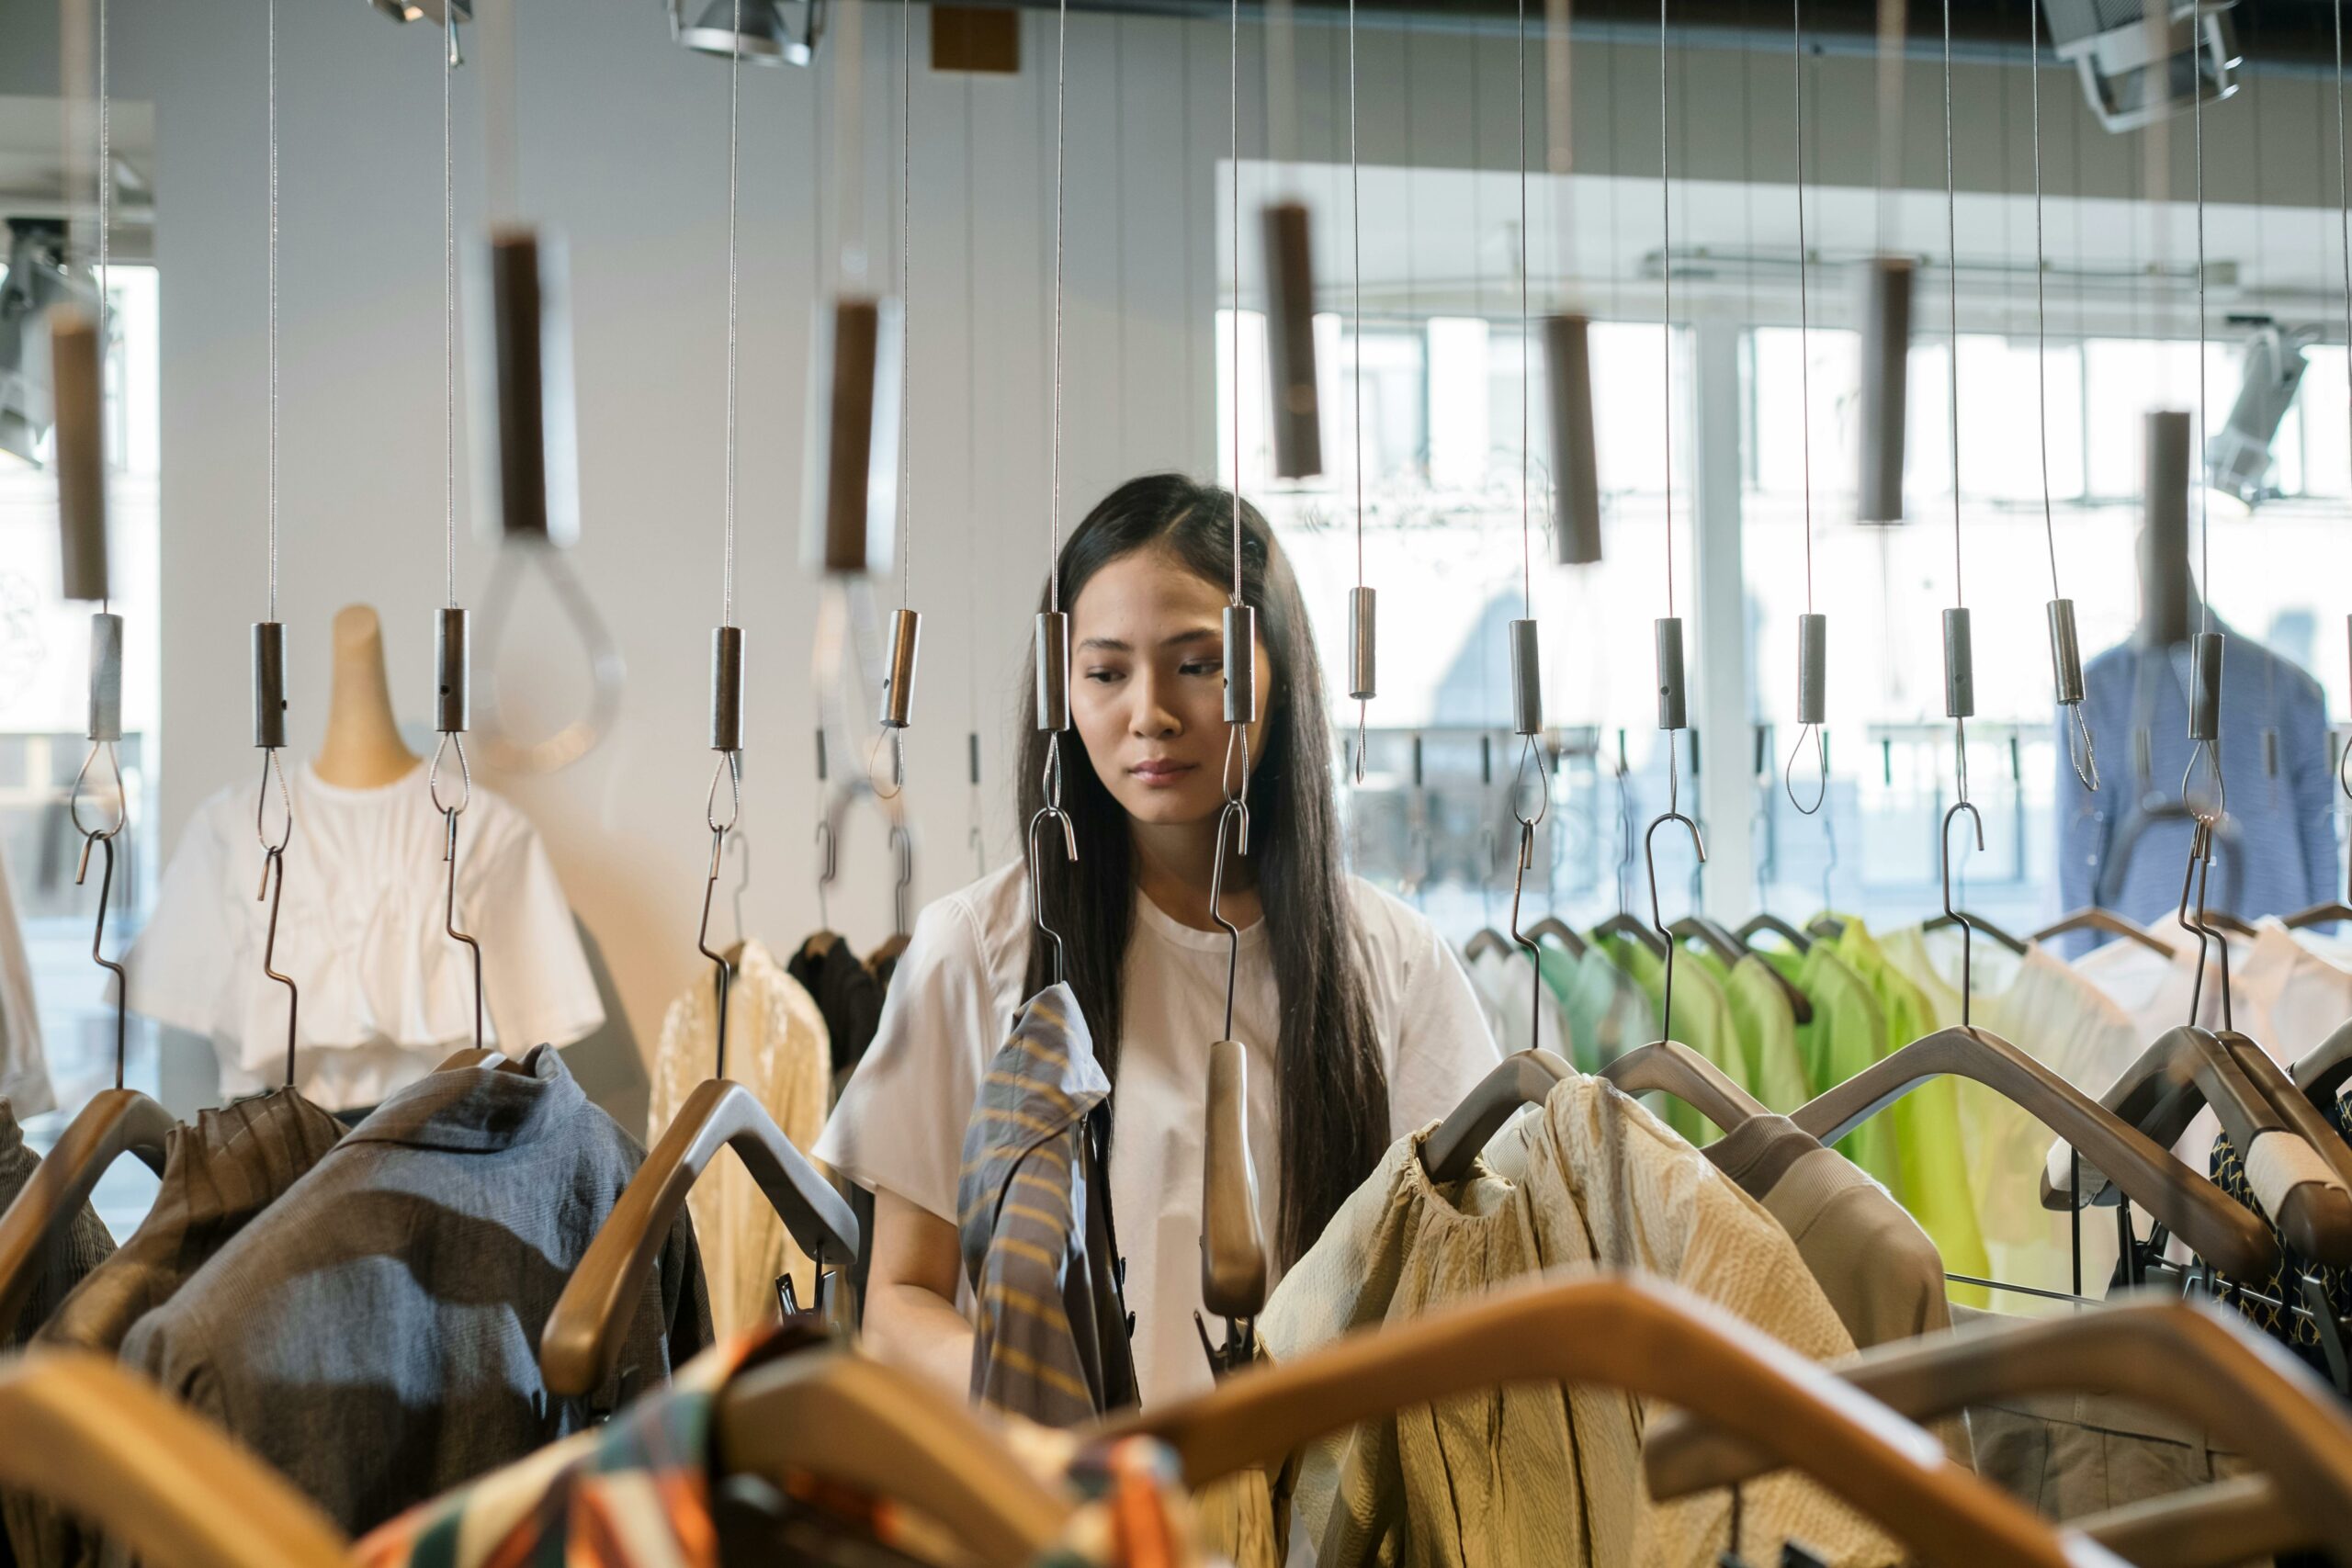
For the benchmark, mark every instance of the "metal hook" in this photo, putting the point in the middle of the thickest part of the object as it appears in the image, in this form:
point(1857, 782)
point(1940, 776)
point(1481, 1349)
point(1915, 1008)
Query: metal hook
point(1232, 823)
point(1788, 771)
point(2200, 872)
point(273, 887)
point(1967, 927)
point(122, 792)
point(702, 933)
point(450, 906)
point(105, 841)
point(902, 843)
point(895, 736)
point(741, 842)
point(2344, 768)
point(2085, 756)
point(1534, 954)
point(827, 866)
point(1052, 783)
point(1657, 920)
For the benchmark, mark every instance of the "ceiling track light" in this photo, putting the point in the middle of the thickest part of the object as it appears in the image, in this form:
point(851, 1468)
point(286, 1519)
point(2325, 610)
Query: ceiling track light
point(763, 32)
point(2131, 79)
point(2238, 454)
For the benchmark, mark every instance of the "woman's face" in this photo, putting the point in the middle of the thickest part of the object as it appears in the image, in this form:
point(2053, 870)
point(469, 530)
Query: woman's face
point(1147, 686)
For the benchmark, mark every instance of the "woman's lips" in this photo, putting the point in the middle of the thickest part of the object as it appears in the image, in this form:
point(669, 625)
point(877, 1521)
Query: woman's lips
point(1161, 774)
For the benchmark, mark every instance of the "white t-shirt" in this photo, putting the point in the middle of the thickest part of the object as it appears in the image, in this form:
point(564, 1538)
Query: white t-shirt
point(385, 992)
point(24, 1070)
point(900, 1124)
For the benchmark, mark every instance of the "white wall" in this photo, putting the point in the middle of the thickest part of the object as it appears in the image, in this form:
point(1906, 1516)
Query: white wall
point(622, 148)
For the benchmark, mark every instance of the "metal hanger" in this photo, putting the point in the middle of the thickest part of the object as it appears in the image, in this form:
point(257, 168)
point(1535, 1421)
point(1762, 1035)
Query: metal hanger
point(730, 765)
point(1763, 920)
point(1624, 923)
point(1051, 812)
point(902, 852)
point(2091, 918)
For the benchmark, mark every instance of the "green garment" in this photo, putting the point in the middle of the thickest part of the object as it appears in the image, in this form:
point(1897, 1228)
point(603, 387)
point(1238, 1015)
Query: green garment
point(1702, 1020)
point(1933, 1156)
point(1766, 1026)
point(1608, 1013)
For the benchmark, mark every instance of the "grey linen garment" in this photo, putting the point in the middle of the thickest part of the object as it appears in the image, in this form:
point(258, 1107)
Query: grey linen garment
point(374, 1334)
point(1877, 1267)
point(1033, 1214)
point(30, 1533)
point(1530, 1475)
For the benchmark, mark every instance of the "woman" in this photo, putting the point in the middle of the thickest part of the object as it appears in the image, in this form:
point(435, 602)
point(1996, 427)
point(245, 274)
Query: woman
point(1360, 1024)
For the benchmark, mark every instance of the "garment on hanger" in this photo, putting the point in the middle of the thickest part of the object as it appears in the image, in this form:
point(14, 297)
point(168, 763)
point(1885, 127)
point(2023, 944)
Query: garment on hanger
point(1847, 1033)
point(385, 992)
point(899, 1124)
point(2283, 1289)
point(32, 1533)
point(1880, 1272)
point(1702, 1020)
point(777, 1048)
point(1766, 1026)
point(1522, 1013)
point(1039, 1239)
point(2285, 837)
point(1544, 1475)
point(375, 1332)
point(847, 995)
point(1607, 1013)
point(639, 1493)
point(23, 1069)
point(1931, 1161)
point(219, 1173)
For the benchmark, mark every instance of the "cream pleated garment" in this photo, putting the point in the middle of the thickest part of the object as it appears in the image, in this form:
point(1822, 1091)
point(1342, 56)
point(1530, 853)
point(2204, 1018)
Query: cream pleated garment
point(777, 1048)
point(1544, 1474)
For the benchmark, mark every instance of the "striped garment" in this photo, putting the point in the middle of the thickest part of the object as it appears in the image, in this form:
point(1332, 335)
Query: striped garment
point(1034, 1207)
point(638, 1492)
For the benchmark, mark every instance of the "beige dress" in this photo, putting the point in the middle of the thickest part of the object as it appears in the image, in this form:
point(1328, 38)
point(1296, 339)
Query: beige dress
point(777, 1048)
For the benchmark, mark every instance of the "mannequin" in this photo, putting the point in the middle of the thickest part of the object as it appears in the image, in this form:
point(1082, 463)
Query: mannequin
point(362, 748)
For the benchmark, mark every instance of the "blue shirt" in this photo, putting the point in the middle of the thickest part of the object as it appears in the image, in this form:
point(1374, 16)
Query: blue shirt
point(2281, 831)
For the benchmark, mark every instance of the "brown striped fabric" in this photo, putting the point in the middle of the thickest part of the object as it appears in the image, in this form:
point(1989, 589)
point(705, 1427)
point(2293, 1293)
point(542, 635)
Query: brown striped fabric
point(1034, 1207)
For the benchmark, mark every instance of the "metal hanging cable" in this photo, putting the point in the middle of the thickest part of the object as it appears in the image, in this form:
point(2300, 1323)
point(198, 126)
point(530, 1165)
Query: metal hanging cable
point(268, 639)
point(2205, 677)
point(906, 623)
point(2344, 220)
point(2065, 647)
point(1813, 629)
point(1363, 603)
point(1052, 634)
point(1526, 660)
point(1666, 304)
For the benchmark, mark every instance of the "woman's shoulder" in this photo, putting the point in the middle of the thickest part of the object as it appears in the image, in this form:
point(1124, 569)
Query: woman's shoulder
point(1395, 933)
point(985, 921)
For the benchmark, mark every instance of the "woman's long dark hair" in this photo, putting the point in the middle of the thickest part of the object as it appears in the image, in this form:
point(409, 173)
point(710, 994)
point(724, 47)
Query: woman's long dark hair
point(1334, 1118)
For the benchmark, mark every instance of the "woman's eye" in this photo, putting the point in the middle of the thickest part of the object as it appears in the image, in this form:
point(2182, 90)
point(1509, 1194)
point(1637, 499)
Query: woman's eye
point(1203, 667)
point(1105, 675)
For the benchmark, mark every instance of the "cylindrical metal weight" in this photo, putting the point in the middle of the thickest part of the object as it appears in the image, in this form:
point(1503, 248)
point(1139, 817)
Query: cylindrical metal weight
point(2065, 652)
point(2143, 754)
point(2270, 753)
point(452, 674)
point(1812, 669)
point(727, 688)
point(2164, 594)
point(1526, 679)
point(1241, 664)
point(105, 677)
point(1290, 342)
point(899, 682)
point(1363, 606)
point(76, 396)
point(1053, 670)
point(2205, 688)
point(1960, 666)
point(1673, 711)
point(850, 506)
point(1486, 758)
point(535, 442)
point(1575, 469)
point(1886, 359)
point(269, 683)
point(972, 758)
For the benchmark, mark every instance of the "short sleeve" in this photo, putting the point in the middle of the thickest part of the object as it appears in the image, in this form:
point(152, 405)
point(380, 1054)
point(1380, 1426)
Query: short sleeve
point(181, 963)
point(538, 987)
point(899, 1126)
point(1443, 1045)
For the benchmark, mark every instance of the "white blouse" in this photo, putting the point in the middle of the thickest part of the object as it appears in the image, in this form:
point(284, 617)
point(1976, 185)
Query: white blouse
point(899, 1124)
point(386, 993)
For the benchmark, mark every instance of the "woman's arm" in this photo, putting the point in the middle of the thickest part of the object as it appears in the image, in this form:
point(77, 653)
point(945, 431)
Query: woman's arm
point(910, 1316)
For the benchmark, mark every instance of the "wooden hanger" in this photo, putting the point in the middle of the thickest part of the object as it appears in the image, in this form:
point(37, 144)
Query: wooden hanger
point(1729, 951)
point(2186, 1070)
point(2185, 1360)
point(1233, 1240)
point(2333, 912)
point(1984, 928)
point(1829, 928)
point(1668, 1066)
point(2323, 1073)
point(848, 1418)
point(362, 748)
point(2093, 919)
point(1524, 1079)
point(1484, 941)
point(2300, 1114)
point(1557, 930)
point(2224, 1233)
point(1625, 1332)
point(117, 1121)
point(582, 1339)
point(1747, 930)
point(2223, 920)
point(2243, 1519)
point(104, 1445)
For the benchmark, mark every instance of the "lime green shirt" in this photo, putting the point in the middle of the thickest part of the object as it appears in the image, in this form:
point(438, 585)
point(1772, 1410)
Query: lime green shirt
point(1702, 1020)
point(1608, 1013)
point(1766, 1026)
point(1932, 1156)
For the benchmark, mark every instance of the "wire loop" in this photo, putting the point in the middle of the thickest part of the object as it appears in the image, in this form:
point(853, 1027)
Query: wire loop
point(2079, 749)
point(731, 766)
point(121, 795)
point(1542, 794)
point(271, 765)
point(1789, 770)
point(450, 741)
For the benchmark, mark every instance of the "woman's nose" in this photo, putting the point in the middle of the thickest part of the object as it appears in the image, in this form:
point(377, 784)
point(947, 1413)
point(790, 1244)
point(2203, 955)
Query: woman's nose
point(1151, 718)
